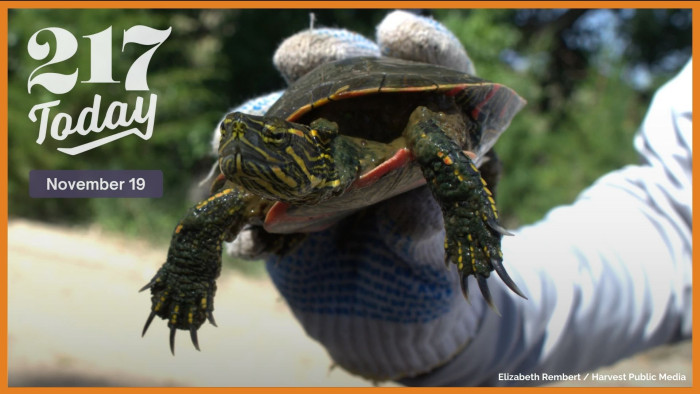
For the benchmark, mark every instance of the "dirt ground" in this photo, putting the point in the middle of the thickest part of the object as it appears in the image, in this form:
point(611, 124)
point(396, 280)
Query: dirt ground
point(75, 317)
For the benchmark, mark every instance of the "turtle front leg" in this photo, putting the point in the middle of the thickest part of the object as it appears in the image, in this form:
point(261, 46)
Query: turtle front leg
point(182, 291)
point(473, 235)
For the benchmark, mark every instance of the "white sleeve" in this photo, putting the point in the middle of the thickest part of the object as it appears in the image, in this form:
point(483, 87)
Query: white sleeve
point(606, 277)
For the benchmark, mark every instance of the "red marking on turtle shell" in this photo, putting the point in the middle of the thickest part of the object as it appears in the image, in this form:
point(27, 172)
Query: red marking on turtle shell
point(218, 183)
point(455, 90)
point(477, 109)
point(277, 218)
point(402, 157)
point(278, 214)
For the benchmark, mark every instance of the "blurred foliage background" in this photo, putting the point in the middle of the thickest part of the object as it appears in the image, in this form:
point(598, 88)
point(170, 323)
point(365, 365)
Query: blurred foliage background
point(588, 77)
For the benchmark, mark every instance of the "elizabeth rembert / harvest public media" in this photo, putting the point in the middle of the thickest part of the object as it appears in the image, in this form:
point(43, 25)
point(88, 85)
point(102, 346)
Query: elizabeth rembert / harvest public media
point(592, 377)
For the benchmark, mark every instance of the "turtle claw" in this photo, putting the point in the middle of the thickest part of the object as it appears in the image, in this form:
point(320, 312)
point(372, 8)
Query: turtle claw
point(148, 322)
point(173, 330)
point(210, 317)
point(148, 286)
point(484, 287)
point(193, 336)
point(501, 271)
point(501, 230)
point(465, 287)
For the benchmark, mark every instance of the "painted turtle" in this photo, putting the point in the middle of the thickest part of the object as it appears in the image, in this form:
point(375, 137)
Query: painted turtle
point(345, 136)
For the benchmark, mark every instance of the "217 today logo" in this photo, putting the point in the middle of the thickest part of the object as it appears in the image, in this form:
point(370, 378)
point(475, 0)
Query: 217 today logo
point(61, 125)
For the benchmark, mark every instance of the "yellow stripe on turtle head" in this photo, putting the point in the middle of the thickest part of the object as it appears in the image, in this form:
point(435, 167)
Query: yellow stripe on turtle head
point(302, 165)
point(282, 176)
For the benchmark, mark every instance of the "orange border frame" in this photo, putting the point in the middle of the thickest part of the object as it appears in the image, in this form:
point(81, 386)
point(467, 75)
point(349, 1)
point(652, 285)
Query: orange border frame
point(5, 5)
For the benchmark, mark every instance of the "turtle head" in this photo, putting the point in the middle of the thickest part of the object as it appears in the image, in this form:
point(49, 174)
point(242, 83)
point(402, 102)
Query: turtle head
point(274, 158)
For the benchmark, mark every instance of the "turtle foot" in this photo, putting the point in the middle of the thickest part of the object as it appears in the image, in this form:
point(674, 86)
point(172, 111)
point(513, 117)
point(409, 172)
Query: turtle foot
point(472, 231)
point(474, 246)
point(185, 304)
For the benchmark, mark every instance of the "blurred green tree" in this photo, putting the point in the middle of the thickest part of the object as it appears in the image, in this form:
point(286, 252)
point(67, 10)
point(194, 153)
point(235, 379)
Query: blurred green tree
point(581, 72)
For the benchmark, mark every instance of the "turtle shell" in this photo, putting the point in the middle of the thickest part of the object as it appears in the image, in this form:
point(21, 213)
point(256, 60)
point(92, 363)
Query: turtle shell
point(372, 98)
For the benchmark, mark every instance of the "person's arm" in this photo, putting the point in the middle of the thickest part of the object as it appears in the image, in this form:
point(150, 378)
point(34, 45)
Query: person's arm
point(606, 277)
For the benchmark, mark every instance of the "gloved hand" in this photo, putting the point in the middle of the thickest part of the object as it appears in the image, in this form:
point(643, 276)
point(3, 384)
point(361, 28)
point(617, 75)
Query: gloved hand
point(375, 291)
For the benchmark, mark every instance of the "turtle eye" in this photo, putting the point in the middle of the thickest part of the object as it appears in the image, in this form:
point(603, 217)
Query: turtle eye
point(274, 134)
